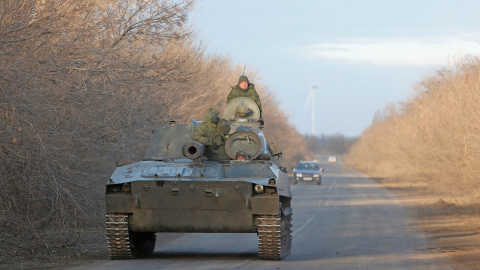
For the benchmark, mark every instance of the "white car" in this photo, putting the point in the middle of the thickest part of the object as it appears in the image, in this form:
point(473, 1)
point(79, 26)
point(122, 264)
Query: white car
point(332, 159)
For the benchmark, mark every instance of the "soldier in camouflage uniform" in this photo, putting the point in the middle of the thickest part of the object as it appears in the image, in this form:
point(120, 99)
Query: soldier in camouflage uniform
point(245, 89)
point(211, 133)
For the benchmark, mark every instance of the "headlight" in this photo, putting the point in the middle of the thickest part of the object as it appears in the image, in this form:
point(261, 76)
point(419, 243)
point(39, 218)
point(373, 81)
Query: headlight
point(316, 175)
point(299, 175)
point(125, 188)
point(259, 188)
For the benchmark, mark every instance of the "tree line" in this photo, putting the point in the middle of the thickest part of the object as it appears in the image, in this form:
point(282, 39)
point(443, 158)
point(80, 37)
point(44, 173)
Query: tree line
point(82, 84)
point(431, 140)
point(335, 144)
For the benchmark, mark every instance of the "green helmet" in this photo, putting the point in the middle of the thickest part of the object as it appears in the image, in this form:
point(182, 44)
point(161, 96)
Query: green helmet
point(243, 78)
point(212, 116)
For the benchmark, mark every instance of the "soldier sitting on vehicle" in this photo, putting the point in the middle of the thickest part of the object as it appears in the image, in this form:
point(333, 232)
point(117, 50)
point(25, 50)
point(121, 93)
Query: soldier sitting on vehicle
point(211, 133)
point(245, 89)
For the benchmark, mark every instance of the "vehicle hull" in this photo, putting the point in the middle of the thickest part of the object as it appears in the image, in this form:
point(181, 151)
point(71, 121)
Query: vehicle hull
point(193, 206)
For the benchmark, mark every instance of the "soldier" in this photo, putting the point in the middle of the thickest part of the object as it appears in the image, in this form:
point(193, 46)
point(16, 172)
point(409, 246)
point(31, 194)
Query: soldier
point(245, 89)
point(211, 133)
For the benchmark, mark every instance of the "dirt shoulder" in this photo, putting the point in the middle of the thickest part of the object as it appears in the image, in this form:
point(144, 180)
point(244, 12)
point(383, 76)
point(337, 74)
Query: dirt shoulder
point(92, 246)
point(90, 249)
point(455, 229)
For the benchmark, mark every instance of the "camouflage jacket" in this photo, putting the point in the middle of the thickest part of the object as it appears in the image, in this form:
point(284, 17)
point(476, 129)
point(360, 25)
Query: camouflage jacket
point(250, 93)
point(213, 137)
point(207, 133)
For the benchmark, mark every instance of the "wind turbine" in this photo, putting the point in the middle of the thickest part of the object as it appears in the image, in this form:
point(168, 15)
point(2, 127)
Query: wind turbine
point(311, 95)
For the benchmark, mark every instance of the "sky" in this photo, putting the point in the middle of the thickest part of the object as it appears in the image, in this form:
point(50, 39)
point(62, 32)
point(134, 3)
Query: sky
point(359, 56)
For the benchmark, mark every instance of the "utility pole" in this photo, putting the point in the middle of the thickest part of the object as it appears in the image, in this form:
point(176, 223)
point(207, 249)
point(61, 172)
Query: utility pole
point(313, 109)
point(311, 97)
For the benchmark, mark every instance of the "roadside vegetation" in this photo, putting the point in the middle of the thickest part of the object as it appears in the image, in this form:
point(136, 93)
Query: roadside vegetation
point(432, 141)
point(82, 84)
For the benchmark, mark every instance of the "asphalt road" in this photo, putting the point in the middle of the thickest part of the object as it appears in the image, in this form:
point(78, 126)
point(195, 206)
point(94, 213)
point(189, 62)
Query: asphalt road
point(346, 223)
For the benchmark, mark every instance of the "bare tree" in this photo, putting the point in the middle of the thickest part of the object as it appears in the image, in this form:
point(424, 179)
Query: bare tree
point(78, 79)
point(82, 83)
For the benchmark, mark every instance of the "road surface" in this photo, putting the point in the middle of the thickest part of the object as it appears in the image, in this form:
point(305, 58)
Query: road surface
point(346, 223)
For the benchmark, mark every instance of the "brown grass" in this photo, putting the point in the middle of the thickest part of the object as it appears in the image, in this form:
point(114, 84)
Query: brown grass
point(432, 140)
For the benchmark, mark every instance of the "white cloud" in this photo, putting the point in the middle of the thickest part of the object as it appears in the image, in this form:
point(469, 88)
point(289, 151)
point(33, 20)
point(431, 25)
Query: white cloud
point(425, 51)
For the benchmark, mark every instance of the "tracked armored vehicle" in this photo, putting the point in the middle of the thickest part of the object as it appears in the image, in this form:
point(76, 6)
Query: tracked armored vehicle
point(176, 189)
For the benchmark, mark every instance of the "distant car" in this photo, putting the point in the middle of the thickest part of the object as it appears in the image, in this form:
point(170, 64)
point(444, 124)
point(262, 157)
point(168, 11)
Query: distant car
point(332, 159)
point(307, 171)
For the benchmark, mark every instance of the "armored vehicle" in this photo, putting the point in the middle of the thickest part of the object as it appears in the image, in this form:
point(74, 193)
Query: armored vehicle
point(176, 189)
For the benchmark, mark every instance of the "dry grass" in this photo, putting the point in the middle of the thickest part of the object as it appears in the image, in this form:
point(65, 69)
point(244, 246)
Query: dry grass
point(433, 140)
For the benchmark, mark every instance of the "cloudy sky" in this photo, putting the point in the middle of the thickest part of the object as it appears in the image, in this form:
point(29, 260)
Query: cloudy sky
point(360, 55)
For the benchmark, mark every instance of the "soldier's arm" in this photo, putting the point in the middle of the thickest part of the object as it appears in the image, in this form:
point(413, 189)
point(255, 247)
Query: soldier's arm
point(199, 136)
point(231, 95)
point(259, 103)
point(257, 99)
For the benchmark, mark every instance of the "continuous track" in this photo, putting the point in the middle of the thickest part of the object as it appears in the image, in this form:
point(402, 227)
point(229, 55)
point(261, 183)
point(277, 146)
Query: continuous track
point(274, 236)
point(118, 237)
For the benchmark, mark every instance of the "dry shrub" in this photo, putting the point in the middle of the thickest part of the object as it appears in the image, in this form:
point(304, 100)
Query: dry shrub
point(78, 79)
point(83, 83)
point(431, 140)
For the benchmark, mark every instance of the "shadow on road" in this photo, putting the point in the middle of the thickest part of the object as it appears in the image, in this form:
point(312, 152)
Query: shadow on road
point(208, 255)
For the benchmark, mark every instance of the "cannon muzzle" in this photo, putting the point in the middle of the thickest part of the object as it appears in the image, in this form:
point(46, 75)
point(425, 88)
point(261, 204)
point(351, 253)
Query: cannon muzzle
point(193, 150)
